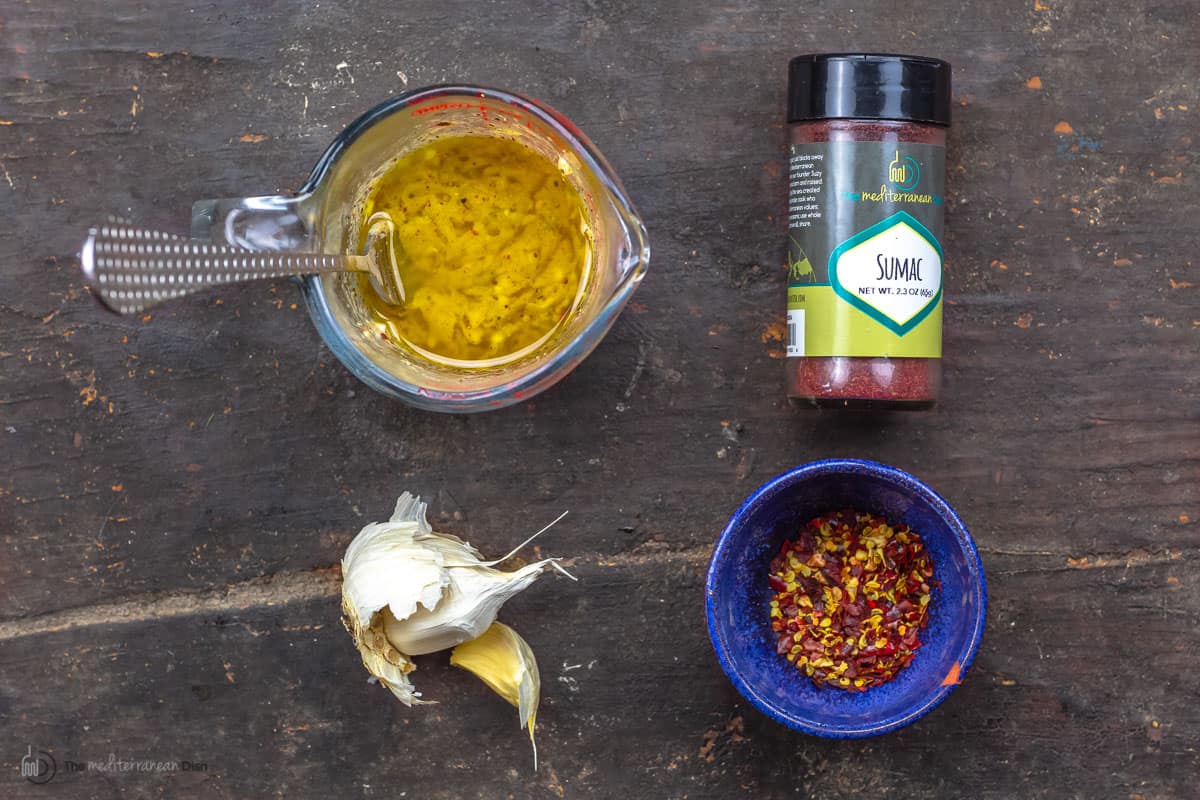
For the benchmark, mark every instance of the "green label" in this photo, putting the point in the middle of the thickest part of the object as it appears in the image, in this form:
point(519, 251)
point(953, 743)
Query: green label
point(864, 255)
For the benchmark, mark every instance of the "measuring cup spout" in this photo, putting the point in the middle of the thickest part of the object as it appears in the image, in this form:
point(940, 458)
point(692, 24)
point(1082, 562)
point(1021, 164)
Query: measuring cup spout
point(265, 223)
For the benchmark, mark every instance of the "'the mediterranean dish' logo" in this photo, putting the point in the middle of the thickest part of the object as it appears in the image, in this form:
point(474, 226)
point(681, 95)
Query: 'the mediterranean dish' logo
point(904, 174)
point(38, 767)
point(903, 178)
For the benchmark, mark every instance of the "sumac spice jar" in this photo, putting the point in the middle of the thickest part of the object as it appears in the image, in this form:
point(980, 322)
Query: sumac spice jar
point(867, 136)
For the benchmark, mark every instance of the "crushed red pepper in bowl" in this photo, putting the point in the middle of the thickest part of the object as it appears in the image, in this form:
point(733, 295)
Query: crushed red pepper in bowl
point(852, 594)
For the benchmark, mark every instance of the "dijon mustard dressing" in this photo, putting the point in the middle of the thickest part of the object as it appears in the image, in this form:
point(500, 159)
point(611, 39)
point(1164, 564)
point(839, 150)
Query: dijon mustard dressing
point(493, 246)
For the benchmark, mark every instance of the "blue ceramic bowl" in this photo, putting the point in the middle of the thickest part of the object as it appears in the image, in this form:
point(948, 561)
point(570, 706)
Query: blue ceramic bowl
point(738, 599)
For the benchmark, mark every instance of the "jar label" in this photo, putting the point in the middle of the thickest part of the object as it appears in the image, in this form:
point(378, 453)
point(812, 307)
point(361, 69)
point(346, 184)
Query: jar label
point(864, 254)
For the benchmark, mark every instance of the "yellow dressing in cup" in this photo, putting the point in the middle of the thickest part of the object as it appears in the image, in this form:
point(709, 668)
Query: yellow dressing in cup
point(493, 246)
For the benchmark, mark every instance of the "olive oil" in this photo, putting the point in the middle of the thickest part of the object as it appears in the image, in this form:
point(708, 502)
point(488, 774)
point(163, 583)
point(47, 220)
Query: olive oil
point(493, 245)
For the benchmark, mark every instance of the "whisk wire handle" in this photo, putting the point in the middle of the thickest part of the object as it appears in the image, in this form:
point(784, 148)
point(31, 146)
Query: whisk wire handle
point(129, 269)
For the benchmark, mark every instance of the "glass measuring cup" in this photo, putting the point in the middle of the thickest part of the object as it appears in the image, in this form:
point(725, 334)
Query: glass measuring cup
point(324, 217)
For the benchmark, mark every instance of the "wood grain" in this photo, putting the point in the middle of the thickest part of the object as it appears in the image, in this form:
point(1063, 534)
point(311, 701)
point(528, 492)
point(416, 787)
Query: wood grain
point(175, 490)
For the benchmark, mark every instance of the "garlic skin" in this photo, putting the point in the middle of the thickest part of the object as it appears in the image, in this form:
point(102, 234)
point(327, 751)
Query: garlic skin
point(407, 590)
point(469, 605)
point(390, 666)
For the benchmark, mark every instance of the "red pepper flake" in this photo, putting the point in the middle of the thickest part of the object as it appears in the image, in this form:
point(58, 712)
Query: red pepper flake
point(851, 596)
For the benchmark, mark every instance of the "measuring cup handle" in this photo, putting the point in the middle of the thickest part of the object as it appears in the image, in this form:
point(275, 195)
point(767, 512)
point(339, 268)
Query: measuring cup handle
point(275, 222)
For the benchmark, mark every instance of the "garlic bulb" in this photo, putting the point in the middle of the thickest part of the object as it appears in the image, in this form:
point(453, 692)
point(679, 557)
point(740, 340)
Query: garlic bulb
point(504, 661)
point(407, 591)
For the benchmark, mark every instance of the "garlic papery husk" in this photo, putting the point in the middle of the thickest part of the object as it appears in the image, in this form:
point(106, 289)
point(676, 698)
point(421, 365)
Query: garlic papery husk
point(390, 666)
point(407, 590)
point(504, 661)
point(469, 605)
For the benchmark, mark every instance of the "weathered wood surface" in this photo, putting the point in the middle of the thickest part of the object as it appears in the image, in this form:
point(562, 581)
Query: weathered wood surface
point(175, 491)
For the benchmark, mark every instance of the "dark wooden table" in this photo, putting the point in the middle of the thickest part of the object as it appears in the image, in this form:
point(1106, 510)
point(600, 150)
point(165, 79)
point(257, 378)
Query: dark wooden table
point(176, 490)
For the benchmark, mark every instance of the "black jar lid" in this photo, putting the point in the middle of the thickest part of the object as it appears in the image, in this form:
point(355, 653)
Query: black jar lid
point(869, 86)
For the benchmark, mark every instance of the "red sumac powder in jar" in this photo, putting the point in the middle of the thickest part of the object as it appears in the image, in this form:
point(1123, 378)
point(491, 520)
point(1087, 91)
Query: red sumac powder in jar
point(866, 196)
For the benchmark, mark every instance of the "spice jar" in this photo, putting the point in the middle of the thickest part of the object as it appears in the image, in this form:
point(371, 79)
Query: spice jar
point(867, 136)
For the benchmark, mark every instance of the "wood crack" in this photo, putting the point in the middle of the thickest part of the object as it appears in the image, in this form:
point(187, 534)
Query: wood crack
point(325, 583)
point(1137, 557)
point(281, 589)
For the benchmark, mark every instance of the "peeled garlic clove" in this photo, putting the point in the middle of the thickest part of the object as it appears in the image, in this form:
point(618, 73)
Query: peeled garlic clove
point(504, 661)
